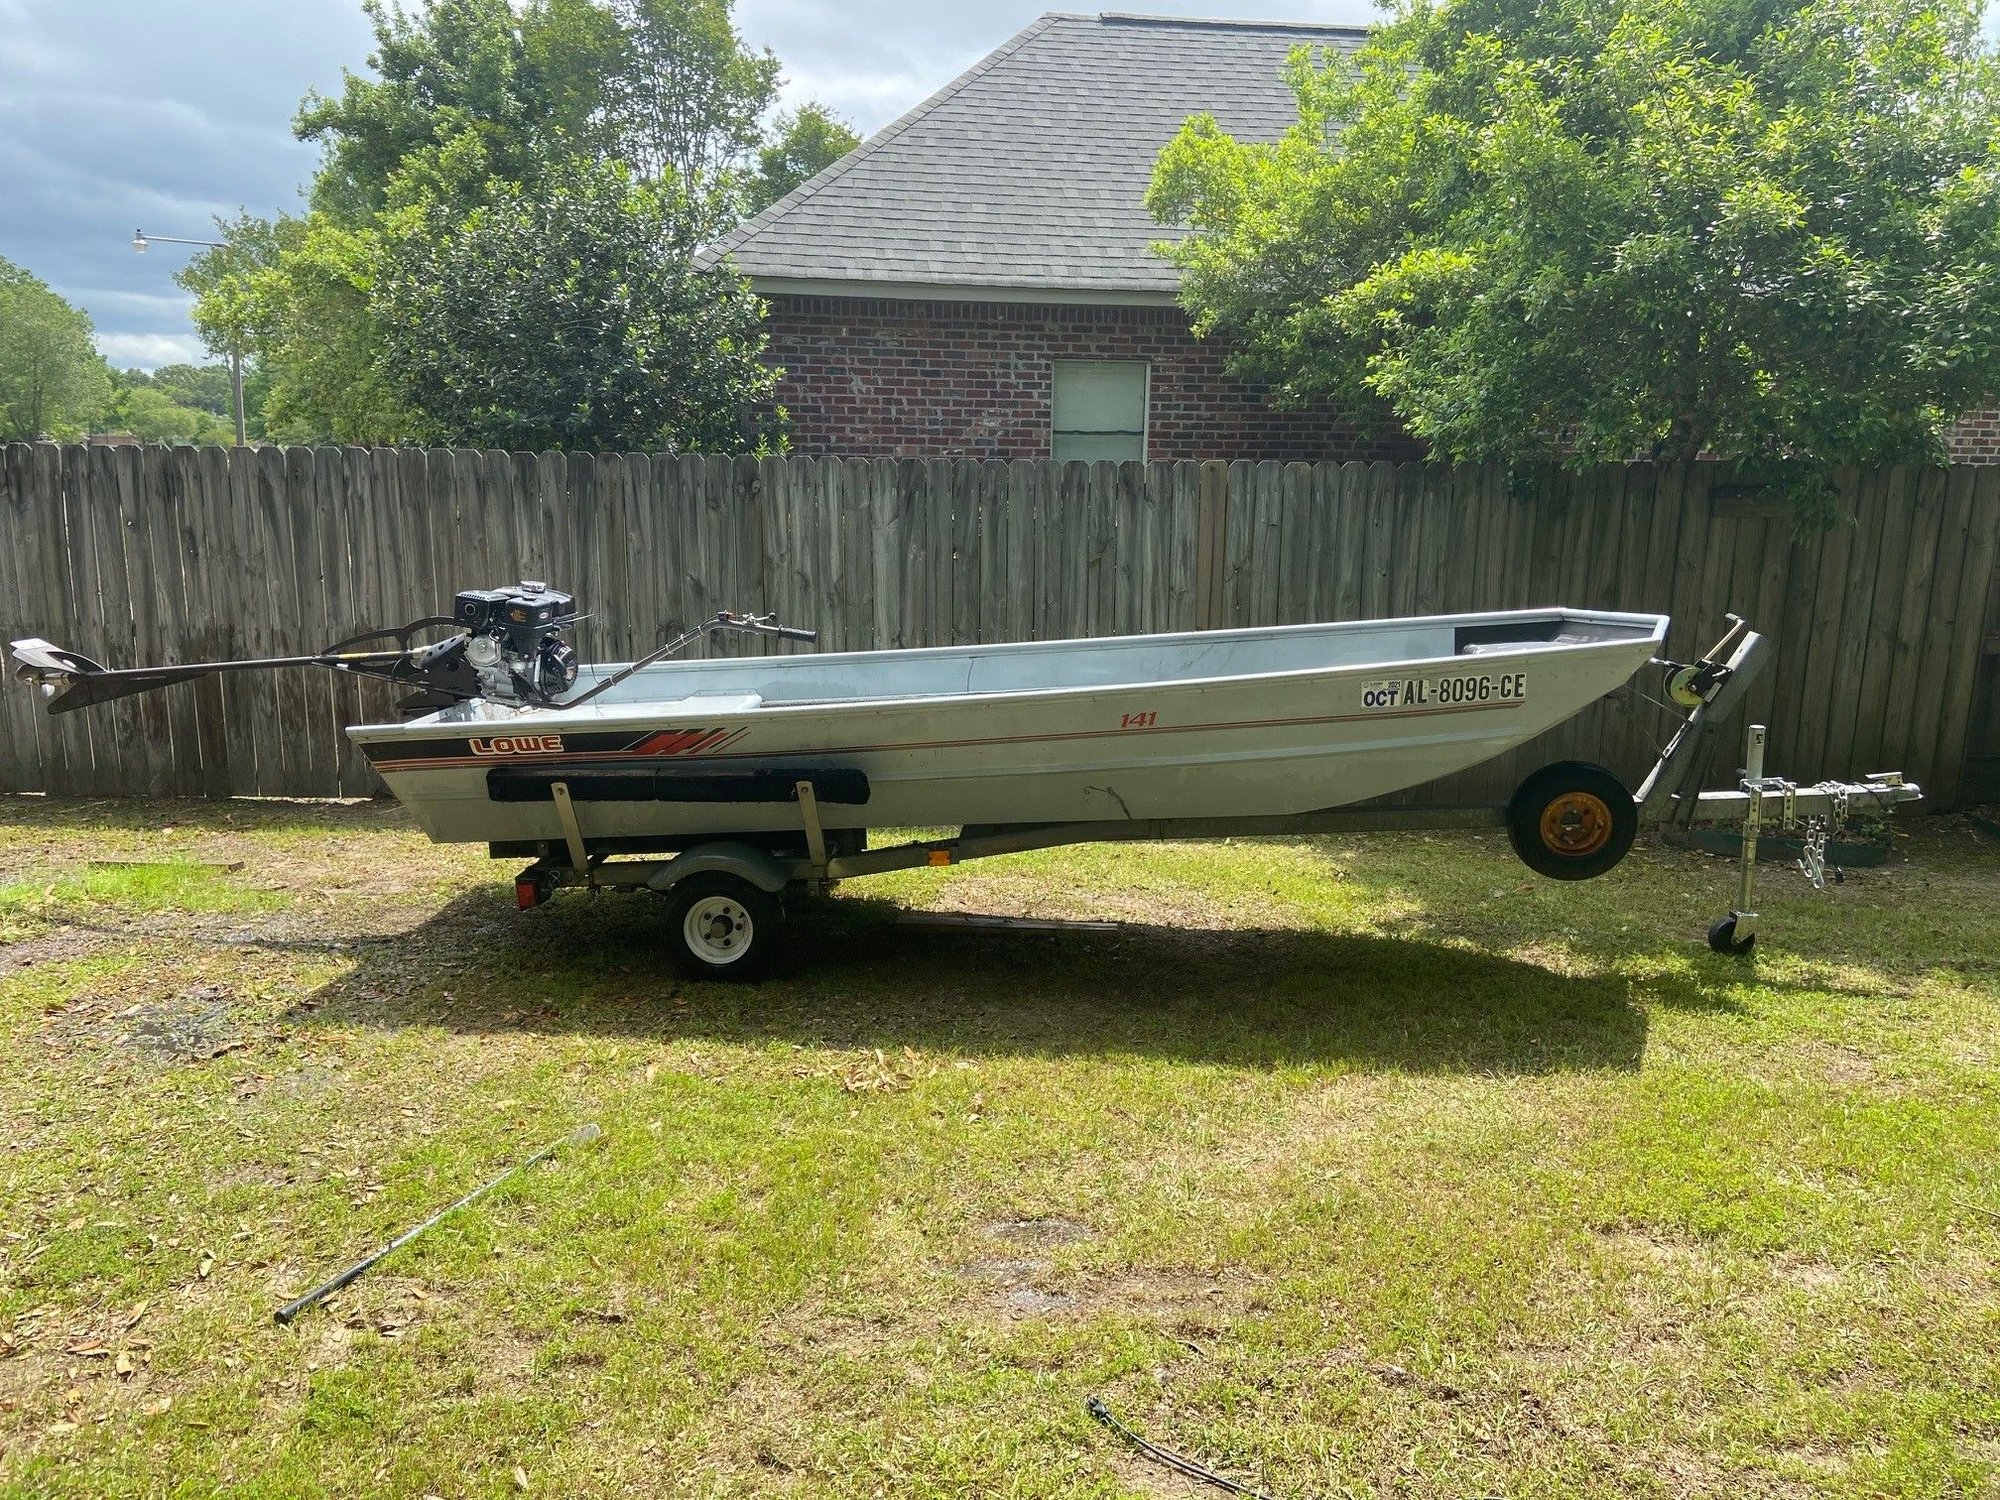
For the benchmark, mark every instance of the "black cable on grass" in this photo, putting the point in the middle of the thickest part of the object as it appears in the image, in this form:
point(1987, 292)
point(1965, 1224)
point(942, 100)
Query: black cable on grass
point(1186, 1466)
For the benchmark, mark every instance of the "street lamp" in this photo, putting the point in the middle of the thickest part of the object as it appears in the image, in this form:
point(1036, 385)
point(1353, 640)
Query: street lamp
point(140, 240)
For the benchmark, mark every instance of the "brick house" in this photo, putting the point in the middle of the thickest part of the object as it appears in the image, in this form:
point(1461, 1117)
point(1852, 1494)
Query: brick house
point(979, 279)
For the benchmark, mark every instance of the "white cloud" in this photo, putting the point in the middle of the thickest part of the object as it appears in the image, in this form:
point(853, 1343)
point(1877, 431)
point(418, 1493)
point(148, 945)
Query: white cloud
point(148, 351)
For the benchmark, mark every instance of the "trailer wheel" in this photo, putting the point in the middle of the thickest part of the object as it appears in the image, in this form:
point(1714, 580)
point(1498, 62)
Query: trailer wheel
point(1722, 938)
point(1572, 821)
point(722, 927)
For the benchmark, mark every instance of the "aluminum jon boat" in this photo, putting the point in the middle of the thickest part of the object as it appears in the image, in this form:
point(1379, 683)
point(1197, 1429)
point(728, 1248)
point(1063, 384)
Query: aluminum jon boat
point(1242, 723)
point(732, 786)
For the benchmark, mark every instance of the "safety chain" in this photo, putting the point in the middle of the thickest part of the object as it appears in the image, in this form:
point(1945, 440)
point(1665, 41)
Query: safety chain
point(1819, 833)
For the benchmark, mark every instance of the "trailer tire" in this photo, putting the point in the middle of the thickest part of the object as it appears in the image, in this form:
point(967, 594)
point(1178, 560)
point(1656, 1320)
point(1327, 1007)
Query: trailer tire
point(721, 927)
point(1572, 821)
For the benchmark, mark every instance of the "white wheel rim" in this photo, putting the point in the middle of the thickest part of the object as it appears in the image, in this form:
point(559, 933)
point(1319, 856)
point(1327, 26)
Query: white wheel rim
point(718, 930)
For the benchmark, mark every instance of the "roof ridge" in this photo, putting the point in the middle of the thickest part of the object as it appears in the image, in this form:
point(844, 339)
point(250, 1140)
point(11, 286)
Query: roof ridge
point(750, 228)
point(1219, 23)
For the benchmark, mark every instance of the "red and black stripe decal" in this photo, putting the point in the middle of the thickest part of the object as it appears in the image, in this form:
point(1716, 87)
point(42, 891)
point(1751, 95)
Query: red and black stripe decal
point(413, 755)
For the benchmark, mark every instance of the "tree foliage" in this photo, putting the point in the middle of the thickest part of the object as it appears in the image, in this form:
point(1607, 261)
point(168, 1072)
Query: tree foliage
point(665, 86)
point(53, 382)
point(570, 318)
point(180, 404)
point(1766, 230)
point(298, 293)
point(478, 113)
point(688, 101)
point(478, 73)
point(804, 142)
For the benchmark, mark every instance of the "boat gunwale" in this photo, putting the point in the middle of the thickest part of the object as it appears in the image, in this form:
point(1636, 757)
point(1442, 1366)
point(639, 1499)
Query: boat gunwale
point(645, 714)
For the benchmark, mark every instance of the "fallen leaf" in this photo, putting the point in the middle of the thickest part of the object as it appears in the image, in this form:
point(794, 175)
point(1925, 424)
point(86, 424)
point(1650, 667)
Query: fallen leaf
point(123, 1364)
point(158, 1408)
point(63, 1429)
point(520, 1478)
point(132, 1319)
point(207, 1265)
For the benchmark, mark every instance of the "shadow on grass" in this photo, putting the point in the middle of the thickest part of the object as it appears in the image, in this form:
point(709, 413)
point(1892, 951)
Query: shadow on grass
point(854, 979)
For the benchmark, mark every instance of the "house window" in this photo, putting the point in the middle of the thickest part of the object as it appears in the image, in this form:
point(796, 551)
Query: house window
point(1100, 410)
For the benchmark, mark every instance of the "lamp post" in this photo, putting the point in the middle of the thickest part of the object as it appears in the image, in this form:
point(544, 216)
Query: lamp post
point(140, 240)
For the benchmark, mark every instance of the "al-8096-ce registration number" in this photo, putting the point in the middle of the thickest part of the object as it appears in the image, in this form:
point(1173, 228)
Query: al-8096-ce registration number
point(1446, 692)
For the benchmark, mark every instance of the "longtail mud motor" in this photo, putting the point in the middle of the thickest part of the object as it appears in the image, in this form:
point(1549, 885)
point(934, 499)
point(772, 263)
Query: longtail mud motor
point(506, 645)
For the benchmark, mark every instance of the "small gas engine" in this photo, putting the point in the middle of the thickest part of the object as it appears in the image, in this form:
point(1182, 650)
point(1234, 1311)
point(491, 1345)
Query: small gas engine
point(514, 641)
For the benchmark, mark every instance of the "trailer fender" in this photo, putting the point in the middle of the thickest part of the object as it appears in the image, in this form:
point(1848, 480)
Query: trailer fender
point(761, 868)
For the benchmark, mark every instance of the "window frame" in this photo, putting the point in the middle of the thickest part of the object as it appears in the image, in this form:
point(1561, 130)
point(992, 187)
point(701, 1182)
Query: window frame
point(1144, 432)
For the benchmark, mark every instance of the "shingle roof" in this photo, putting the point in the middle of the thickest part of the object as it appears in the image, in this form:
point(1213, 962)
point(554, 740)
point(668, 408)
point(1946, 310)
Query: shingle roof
point(1029, 172)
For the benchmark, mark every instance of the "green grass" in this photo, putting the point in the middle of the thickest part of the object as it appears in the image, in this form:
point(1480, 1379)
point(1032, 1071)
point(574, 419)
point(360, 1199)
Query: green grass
point(1372, 1167)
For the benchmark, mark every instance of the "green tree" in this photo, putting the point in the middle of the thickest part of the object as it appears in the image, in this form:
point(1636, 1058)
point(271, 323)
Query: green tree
point(570, 318)
point(297, 292)
point(689, 98)
point(53, 382)
point(469, 103)
point(509, 79)
point(471, 91)
point(150, 412)
point(804, 142)
point(1765, 230)
point(201, 387)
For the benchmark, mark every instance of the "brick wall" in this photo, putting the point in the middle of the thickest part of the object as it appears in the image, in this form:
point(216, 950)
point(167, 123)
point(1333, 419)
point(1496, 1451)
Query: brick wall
point(868, 378)
point(1976, 439)
point(881, 378)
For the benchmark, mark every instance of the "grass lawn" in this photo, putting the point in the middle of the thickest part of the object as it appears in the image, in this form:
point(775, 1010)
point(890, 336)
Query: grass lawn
point(1371, 1167)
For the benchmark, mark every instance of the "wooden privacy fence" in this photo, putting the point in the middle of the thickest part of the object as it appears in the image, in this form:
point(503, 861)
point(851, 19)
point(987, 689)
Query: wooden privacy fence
point(158, 555)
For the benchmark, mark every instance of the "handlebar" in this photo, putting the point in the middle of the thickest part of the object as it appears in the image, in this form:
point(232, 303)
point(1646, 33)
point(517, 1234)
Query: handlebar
point(763, 625)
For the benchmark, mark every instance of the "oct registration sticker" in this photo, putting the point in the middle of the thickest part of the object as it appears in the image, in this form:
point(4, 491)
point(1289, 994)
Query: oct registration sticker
point(1446, 692)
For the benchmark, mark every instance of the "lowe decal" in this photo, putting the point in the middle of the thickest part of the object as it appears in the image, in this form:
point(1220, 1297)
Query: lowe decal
point(520, 744)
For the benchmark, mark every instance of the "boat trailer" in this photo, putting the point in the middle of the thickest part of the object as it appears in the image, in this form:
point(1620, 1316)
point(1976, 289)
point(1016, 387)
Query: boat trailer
point(727, 893)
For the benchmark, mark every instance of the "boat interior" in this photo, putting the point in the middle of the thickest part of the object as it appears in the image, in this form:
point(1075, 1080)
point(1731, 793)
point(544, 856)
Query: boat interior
point(743, 684)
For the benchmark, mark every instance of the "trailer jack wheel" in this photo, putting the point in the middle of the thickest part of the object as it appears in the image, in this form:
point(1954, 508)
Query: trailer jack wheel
point(1723, 939)
point(721, 927)
point(1572, 821)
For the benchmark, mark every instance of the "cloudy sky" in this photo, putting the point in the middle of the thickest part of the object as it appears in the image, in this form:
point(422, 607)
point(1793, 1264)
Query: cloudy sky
point(118, 115)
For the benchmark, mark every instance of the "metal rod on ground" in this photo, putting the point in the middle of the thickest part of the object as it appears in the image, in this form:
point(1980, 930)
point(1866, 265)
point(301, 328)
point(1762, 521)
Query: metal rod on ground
point(326, 1289)
point(1179, 1463)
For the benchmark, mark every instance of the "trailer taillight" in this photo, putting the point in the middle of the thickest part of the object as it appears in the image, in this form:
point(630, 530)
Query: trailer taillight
point(529, 893)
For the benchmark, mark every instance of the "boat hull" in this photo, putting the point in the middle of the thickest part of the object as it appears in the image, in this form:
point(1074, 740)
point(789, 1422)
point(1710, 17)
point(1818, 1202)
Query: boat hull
point(1236, 745)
